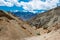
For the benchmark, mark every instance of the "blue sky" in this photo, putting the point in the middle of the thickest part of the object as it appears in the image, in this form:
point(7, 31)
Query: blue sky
point(28, 5)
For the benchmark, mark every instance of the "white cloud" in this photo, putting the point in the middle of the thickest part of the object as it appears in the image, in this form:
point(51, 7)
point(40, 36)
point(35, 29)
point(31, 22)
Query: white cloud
point(8, 3)
point(32, 5)
point(39, 5)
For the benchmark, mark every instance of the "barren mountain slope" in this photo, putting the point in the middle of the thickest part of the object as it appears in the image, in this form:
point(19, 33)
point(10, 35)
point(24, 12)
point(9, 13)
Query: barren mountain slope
point(46, 19)
point(11, 28)
point(47, 24)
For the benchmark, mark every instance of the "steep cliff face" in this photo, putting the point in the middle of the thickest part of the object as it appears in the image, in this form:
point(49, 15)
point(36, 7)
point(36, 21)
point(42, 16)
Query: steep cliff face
point(46, 19)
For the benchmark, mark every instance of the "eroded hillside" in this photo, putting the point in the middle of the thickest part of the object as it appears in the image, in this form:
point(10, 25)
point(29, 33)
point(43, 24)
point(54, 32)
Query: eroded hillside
point(46, 19)
point(12, 28)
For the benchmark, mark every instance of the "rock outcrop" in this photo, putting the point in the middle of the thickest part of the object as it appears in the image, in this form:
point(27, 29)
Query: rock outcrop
point(46, 19)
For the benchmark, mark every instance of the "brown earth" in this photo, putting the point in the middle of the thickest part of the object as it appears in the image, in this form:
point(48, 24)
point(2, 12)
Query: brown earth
point(12, 28)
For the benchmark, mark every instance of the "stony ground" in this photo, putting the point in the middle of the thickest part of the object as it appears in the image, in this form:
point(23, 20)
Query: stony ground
point(53, 35)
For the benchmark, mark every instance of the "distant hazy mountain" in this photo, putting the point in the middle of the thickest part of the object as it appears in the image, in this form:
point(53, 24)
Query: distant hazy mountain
point(24, 15)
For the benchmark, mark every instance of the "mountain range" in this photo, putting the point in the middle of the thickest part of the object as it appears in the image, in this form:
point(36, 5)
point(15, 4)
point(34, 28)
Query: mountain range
point(24, 15)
